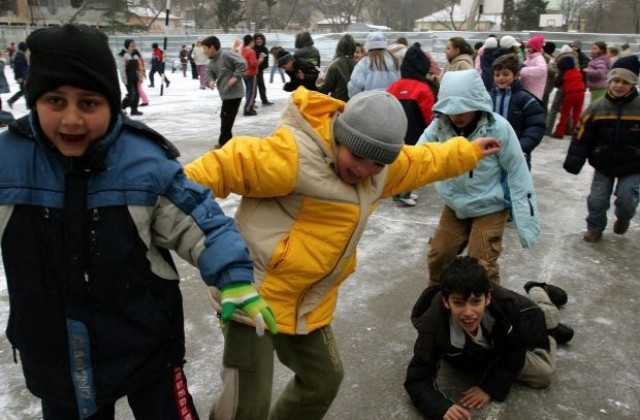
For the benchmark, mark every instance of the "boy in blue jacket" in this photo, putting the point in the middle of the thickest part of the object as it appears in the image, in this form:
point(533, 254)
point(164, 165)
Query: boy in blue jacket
point(520, 107)
point(90, 205)
point(480, 327)
point(475, 210)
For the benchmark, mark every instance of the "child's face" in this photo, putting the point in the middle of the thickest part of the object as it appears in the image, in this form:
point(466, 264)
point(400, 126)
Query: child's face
point(462, 120)
point(503, 78)
point(72, 118)
point(467, 314)
point(352, 168)
point(288, 66)
point(358, 54)
point(596, 51)
point(619, 88)
point(451, 52)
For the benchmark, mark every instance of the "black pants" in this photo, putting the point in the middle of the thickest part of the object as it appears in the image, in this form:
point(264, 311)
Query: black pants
point(227, 118)
point(261, 87)
point(165, 398)
point(157, 68)
point(18, 94)
point(133, 96)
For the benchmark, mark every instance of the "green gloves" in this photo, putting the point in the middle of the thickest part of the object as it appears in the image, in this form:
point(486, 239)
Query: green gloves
point(245, 297)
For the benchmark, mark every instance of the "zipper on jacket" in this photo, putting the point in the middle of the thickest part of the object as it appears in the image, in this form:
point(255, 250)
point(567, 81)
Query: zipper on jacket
point(46, 213)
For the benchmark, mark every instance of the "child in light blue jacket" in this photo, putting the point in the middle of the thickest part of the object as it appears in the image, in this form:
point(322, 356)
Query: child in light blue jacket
point(475, 210)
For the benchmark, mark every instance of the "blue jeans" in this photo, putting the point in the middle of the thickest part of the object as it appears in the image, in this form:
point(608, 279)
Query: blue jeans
point(275, 69)
point(627, 193)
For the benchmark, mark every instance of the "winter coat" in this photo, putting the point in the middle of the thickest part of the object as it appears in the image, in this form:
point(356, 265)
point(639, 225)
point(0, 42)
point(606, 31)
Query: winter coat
point(250, 58)
point(4, 84)
point(480, 191)
point(305, 49)
point(486, 67)
point(131, 65)
point(20, 65)
point(608, 137)
point(596, 72)
point(365, 78)
point(460, 62)
point(261, 49)
point(571, 81)
point(94, 293)
point(534, 74)
point(301, 222)
point(513, 324)
point(524, 112)
point(310, 72)
point(417, 100)
point(336, 78)
point(221, 68)
point(199, 56)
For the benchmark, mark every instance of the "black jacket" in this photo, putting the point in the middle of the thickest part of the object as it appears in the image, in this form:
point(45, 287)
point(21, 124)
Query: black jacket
point(310, 76)
point(519, 327)
point(608, 136)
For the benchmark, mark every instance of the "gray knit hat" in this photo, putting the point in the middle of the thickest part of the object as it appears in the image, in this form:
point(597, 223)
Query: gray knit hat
point(373, 126)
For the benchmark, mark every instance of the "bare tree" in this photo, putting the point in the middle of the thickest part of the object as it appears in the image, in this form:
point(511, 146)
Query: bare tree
point(340, 12)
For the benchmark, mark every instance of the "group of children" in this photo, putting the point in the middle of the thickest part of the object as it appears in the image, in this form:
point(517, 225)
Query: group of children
point(105, 200)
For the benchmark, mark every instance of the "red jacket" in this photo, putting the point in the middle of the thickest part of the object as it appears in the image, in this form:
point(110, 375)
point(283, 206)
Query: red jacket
point(572, 81)
point(249, 56)
point(417, 100)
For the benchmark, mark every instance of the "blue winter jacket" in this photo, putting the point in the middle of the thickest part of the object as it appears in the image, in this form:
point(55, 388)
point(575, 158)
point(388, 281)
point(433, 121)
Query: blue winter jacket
point(364, 78)
point(95, 305)
point(480, 192)
point(524, 112)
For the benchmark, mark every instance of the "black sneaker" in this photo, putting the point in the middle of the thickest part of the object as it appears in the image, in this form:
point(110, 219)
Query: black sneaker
point(557, 296)
point(562, 333)
point(168, 83)
point(266, 103)
point(136, 113)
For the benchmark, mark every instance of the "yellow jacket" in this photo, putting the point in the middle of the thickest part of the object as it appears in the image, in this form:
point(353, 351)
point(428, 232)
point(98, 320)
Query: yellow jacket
point(301, 222)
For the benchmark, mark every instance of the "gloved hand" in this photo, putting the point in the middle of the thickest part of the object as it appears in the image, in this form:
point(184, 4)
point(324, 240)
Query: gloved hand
point(245, 297)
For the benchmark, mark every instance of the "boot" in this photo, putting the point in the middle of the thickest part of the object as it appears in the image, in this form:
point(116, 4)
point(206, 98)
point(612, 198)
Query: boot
point(620, 226)
point(557, 296)
point(562, 333)
point(592, 236)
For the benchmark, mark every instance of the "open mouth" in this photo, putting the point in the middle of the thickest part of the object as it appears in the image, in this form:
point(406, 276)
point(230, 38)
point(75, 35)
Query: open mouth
point(72, 138)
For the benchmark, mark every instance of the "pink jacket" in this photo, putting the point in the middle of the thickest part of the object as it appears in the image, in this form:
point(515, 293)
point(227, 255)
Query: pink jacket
point(534, 74)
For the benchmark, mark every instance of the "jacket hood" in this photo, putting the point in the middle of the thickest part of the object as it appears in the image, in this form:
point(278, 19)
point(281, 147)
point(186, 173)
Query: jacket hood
point(303, 39)
point(462, 91)
point(260, 35)
point(346, 46)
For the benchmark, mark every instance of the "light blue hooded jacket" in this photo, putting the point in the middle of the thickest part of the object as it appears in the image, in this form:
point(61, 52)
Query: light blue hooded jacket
point(479, 192)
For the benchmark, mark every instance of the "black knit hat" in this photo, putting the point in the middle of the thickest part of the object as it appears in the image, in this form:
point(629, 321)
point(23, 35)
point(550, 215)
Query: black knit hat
point(415, 64)
point(625, 68)
point(283, 58)
point(75, 55)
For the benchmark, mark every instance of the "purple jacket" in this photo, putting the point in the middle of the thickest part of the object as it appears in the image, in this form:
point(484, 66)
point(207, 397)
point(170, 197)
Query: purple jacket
point(597, 71)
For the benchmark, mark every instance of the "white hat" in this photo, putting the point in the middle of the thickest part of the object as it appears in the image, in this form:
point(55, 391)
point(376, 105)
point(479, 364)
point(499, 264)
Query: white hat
point(508, 42)
point(376, 41)
point(491, 42)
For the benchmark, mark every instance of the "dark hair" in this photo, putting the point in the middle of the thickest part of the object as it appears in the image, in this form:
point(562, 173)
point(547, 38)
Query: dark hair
point(461, 44)
point(478, 45)
point(128, 42)
point(212, 41)
point(464, 275)
point(154, 45)
point(246, 40)
point(507, 61)
point(601, 45)
point(402, 40)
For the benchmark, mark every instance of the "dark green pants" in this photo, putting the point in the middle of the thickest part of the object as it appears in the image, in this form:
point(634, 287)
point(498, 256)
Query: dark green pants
point(247, 375)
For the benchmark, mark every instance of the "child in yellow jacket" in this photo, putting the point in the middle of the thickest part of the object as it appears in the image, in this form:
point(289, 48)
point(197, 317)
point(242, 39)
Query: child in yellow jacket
point(308, 190)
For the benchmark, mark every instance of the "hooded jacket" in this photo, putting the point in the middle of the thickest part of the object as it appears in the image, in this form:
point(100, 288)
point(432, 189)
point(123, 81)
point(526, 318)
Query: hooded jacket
point(338, 72)
point(480, 192)
point(534, 74)
point(305, 49)
point(261, 49)
point(301, 222)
